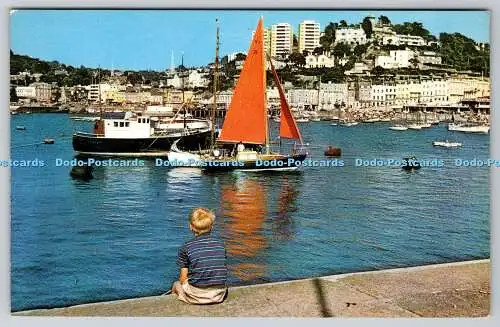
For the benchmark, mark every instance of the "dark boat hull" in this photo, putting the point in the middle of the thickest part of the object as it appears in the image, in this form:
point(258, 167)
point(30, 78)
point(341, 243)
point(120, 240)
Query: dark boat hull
point(90, 144)
point(283, 163)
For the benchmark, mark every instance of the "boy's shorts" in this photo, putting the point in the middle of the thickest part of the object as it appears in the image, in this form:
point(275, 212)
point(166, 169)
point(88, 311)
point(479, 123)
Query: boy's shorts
point(195, 295)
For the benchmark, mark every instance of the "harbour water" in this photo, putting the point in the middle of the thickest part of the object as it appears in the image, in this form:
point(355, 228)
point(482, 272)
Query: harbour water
point(116, 236)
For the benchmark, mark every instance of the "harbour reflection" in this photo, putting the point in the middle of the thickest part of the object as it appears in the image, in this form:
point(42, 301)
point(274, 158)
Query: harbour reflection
point(283, 225)
point(244, 208)
point(257, 212)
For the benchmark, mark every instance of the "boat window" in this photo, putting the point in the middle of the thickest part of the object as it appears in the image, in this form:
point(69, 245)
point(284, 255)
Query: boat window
point(116, 124)
point(147, 120)
point(127, 124)
point(122, 124)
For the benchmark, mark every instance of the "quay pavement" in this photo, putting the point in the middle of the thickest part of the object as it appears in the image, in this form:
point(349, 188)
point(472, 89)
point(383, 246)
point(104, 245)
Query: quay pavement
point(459, 289)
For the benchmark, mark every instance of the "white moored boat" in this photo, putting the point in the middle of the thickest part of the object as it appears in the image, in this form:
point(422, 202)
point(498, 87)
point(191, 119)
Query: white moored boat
point(468, 128)
point(398, 128)
point(447, 144)
point(415, 126)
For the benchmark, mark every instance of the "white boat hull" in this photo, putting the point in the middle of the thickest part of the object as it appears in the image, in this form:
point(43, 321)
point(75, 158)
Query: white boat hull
point(469, 129)
point(447, 144)
point(398, 128)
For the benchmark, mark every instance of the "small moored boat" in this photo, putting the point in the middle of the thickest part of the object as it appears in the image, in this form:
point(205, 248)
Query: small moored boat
point(447, 144)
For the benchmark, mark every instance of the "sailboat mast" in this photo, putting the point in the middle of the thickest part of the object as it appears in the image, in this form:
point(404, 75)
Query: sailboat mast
point(216, 80)
point(266, 120)
point(99, 91)
point(182, 82)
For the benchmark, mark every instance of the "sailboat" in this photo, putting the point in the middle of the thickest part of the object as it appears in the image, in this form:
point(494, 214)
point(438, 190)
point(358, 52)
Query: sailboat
point(244, 141)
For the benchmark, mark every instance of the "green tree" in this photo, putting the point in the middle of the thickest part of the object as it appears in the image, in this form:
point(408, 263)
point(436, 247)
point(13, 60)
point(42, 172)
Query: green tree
point(384, 20)
point(13, 94)
point(240, 56)
point(366, 25)
point(297, 59)
point(414, 62)
point(341, 49)
point(343, 23)
point(378, 71)
point(328, 37)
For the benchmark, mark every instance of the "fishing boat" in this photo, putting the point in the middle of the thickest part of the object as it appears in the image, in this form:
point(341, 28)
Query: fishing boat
point(20, 128)
point(447, 144)
point(244, 141)
point(134, 134)
point(302, 120)
point(469, 128)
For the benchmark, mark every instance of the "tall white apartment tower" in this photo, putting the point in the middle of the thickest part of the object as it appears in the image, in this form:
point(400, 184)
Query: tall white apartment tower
point(281, 40)
point(309, 33)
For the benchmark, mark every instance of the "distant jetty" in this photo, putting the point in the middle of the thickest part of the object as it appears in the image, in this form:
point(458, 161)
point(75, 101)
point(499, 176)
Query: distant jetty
point(42, 109)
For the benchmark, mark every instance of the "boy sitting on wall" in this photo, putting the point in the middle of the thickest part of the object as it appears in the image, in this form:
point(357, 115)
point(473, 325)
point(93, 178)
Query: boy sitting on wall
point(202, 262)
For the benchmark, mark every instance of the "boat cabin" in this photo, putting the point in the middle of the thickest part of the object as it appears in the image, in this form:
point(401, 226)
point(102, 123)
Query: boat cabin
point(124, 125)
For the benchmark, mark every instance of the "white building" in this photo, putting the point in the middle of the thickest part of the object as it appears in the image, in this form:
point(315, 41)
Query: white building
point(351, 36)
point(429, 57)
point(399, 39)
point(175, 82)
point(309, 34)
point(303, 98)
point(395, 59)
point(27, 92)
point(196, 79)
point(332, 94)
point(434, 91)
point(383, 94)
point(281, 40)
point(322, 60)
point(107, 91)
point(358, 69)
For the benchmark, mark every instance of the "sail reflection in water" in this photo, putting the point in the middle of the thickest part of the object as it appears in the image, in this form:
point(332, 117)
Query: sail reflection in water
point(244, 208)
point(257, 216)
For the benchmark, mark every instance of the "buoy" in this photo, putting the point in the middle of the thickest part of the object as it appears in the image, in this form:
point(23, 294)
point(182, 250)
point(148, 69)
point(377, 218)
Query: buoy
point(333, 152)
point(82, 172)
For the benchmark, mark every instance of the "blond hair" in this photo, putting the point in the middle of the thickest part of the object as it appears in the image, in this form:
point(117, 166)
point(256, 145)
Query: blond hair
point(201, 220)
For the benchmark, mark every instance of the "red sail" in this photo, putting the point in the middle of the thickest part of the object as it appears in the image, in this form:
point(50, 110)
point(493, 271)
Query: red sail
point(246, 118)
point(288, 126)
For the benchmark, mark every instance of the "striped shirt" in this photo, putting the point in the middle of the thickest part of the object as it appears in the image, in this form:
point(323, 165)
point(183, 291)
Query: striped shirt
point(205, 258)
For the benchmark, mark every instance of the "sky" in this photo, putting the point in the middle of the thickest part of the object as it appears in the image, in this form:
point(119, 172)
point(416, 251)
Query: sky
point(145, 39)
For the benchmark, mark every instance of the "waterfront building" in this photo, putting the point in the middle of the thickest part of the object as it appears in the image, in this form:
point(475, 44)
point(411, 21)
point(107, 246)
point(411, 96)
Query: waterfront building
point(43, 91)
point(383, 94)
point(309, 34)
point(332, 95)
point(466, 87)
point(433, 90)
point(303, 98)
point(363, 93)
point(26, 92)
point(322, 60)
point(350, 35)
point(281, 39)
